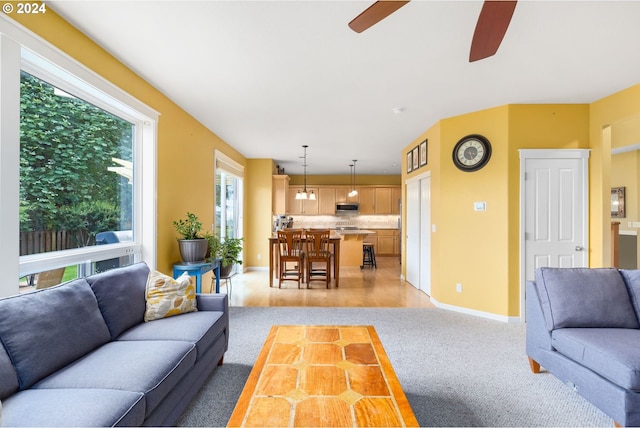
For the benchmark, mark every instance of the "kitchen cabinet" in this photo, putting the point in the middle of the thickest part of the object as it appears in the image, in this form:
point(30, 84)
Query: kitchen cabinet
point(387, 200)
point(280, 194)
point(367, 200)
point(341, 194)
point(396, 197)
point(326, 200)
point(302, 206)
point(386, 242)
point(383, 200)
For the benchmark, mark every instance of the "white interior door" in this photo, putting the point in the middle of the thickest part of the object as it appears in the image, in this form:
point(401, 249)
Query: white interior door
point(412, 232)
point(554, 210)
point(425, 235)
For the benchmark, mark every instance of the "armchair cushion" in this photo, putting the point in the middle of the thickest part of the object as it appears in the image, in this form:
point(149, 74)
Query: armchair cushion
point(603, 298)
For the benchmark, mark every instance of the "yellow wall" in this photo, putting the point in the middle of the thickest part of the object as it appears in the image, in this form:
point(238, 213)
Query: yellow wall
point(472, 245)
point(604, 114)
point(257, 212)
point(480, 250)
point(182, 140)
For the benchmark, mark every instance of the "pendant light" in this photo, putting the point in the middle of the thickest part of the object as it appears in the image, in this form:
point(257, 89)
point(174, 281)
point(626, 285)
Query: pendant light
point(353, 192)
point(303, 194)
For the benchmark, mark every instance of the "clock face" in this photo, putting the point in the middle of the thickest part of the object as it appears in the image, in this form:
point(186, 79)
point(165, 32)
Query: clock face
point(471, 153)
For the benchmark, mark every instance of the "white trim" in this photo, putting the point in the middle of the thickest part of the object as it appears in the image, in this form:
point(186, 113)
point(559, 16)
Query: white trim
point(9, 168)
point(628, 232)
point(46, 261)
point(481, 314)
point(526, 154)
point(553, 154)
point(418, 177)
point(227, 164)
point(631, 148)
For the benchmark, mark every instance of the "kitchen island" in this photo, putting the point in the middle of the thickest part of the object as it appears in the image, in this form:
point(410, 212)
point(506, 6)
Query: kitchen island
point(351, 245)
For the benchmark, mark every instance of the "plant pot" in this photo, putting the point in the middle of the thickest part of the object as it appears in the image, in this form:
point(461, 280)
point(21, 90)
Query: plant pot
point(225, 271)
point(193, 250)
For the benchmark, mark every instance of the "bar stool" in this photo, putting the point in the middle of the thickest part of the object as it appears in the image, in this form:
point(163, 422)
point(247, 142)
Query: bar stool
point(368, 255)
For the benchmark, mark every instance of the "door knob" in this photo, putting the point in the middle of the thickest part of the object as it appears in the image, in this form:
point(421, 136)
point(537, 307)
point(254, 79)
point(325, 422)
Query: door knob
point(579, 248)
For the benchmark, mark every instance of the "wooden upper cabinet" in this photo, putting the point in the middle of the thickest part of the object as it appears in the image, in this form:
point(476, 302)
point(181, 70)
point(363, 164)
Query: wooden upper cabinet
point(396, 198)
point(367, 199)
point(309, 206)
point(341, 194)
point(383, 200)
point(372, 199)
point(302, 206)
point(280, 194)
point(326, 200)
point(295, 205)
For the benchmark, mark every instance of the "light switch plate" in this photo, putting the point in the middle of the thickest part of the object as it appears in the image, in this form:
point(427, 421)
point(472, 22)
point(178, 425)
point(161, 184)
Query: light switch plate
point(479, 206)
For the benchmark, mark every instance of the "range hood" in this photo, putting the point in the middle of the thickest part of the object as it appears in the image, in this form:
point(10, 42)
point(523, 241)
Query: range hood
point(347, 208)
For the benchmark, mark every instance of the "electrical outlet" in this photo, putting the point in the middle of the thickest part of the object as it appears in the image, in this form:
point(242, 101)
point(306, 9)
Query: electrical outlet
point(459, 288)
point(259, 256)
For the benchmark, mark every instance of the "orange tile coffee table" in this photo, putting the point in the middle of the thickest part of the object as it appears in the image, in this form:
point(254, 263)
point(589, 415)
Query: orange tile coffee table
point(321, 376)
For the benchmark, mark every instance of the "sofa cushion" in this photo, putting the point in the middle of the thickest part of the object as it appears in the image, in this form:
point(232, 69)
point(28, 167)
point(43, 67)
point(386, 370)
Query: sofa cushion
point(167, 297)
point(74, 407)
point(613, 353)
point(8, 375)
point(120, 294)
point(201, 328)
point(584, 297)
point(149, 367)
point(46, 330)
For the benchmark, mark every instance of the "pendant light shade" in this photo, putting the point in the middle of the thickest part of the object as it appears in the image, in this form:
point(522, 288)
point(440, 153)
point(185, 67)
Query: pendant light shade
point(353, 191)
point(303, 194)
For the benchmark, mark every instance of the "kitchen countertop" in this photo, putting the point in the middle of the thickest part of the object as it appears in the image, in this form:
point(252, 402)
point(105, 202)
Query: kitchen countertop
point(355, 232)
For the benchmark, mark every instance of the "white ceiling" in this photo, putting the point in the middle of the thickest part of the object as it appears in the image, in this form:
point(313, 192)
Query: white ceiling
point(270, 76)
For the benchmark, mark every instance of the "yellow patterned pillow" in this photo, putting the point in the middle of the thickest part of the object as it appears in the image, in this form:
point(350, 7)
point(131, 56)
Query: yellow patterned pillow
point(167, 296)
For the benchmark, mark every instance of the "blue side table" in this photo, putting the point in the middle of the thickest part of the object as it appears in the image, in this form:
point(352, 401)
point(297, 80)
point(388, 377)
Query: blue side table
point(197, 270)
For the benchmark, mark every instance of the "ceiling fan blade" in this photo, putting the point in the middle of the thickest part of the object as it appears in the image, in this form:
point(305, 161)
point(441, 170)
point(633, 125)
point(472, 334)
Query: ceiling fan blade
point(492, 24)
point(374, 14)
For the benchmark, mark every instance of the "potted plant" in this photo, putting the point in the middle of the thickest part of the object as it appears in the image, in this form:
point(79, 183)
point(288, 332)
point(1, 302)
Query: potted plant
point(227, 250)
point(193, 247)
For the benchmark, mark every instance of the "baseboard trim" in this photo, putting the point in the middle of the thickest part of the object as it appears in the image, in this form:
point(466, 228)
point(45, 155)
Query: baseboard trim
point(481, 314)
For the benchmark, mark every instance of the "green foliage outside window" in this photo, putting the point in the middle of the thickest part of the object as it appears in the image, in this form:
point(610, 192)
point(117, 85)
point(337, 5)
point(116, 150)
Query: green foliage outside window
point(66, 145)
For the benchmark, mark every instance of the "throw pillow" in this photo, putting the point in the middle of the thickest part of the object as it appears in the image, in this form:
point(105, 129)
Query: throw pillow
point(167, 296)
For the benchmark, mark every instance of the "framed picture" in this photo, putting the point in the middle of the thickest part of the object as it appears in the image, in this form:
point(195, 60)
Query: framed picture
point(415, 155)
point(409, 162)
point(423, 153)
point(617, 202)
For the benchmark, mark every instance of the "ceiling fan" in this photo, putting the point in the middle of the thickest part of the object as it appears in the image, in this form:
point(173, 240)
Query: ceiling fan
point(490, 29)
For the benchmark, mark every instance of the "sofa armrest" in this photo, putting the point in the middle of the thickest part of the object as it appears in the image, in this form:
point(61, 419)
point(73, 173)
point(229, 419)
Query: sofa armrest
point(538, 337)
point(212, 302)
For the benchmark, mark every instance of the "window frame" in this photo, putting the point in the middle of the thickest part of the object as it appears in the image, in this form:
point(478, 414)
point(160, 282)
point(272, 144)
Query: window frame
point(20, 49)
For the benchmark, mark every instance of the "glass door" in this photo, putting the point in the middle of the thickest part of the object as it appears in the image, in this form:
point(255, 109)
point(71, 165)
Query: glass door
point(228, 212)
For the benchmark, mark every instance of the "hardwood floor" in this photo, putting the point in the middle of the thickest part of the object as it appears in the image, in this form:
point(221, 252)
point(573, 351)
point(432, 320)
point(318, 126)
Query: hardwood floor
point(381, 287)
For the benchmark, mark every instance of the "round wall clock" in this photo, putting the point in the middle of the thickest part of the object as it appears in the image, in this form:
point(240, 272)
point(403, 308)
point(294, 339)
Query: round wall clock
point(471, 153)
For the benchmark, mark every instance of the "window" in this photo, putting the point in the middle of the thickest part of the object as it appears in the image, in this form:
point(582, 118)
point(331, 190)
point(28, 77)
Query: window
point(78, 165)
point(76, 171)
point(228, 212)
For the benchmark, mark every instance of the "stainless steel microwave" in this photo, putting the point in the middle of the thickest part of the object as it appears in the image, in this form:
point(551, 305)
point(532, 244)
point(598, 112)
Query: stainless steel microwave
point(347, 208)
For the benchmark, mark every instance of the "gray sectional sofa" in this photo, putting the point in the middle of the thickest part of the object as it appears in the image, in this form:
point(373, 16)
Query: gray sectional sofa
point(79, 354)
point(582, 326)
